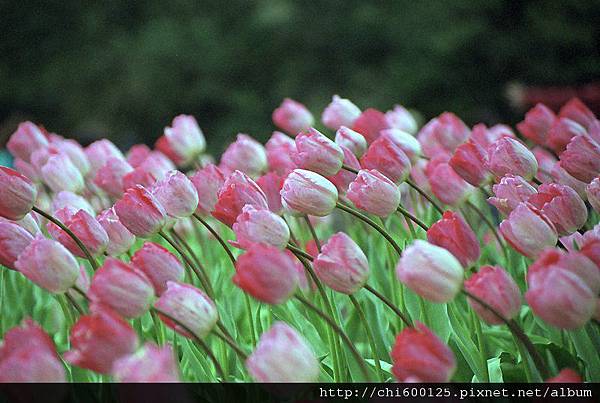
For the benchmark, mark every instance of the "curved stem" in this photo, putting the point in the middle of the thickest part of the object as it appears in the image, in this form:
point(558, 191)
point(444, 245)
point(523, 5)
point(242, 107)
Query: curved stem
point(292, 236)
point(213, 358)
point(340, 332)
point(297, 251)
point(217, 236)
point(425, 195)
point(238, 350)
point(78, 307)
point(74, 237)
point(490, 226)
point(372, 223)
point(386, 301)
point(414, 219)
point(313, 232)
point(482, 349)
point(349, 169)
point(363, 319)
point(191, 253)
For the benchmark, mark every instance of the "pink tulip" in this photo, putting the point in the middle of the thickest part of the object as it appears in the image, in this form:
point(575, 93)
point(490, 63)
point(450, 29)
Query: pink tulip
point(510, 156)
point(19, 194)
point(84, 226)
point(451, 232)
point(317, 153)
point(430, 271)
point(139, 211)
point(343, 178)
point(441, 135)
point(559, 175)
point(537, 124)
point(59, 173)
point(292, 117)
point(561, 205)
point(418, 175)
point(75, 152)
point(25, 140)
point(99, 152)
point(374, 192)
point(370, 123)
point(190, 307)
point(353, 141)
point(271, 184)
point(207, 182)
point(237, 191)
point(566, 375)
point(27, 169)
point(420, 354)
point(400, 118)
point(267, 274)
point(260, 226)
point(281, 150)
point(577, 111)
point(137, 154)
point(511, 191)
point(407, 143)
point(110, 177)
point(183, 141)
point(69, 199)
point(593, 193)
point(246, 155)
point(546, 162)
point(389, 159)
point(528, 230)
point(177, 194)
point(159, 265)
point(13, 241)
point(446, 184)
point(469, 162)
point(342, 265)
point(340, 112)
point(562, 132)
point(27, 354)
point(120, 240)
point(484, 136)
point(494, 286)
point(306, 192)
point(149, 364)
point(283, 355)
point(99, 339)
point(581, 159)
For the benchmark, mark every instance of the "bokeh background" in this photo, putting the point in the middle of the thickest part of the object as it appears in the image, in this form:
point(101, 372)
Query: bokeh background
point(122, 70)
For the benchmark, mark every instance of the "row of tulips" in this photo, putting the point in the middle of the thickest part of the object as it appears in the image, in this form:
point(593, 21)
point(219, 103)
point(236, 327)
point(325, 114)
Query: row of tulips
point(135, 251)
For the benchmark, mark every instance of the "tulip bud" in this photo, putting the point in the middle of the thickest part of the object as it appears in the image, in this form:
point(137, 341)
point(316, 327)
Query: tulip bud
point(370, 123)
point(430, 271)
point(306, 192)
point(48, 264)
point(283, 355)
point(267, 274)
point(446, 184)
point(271, 184)
point(183, 141)
point(562, 206)
point(260, 226)
point(281, 150)
point(27, 354)
point(137, 154)
point(400, 118)
point(149, 364)
point(292, 117)
point(27, 169)
point(537, 124)
point(342, 265)
point(577, 111)
point(546, 162)
point(343, 178)
point(120, 240)
point(353, 141)
point(27, 139)
point(246, 155)
point(441, 135)
point(374, 192)
point(528, 230)
point(19, 194)
point(469, 162)
point(495, 287)
point(562, 132)
point(177, 194)
point(559, 175)
point(140, 212)
point(510, 156)
point(451, 232)
point(340, 112)
point(484, 137)
point(566, 375)
point(317, 153)
point(207, 182)
point(159, 265)
point(99, 152)
point(110, 177)
point(69, 199)
point(13, 241)
point(407, 143)
point(99, 339)
point(188, 306)
point(237, 191)
point(122, 287)
point(419, 354)
point(389, 159)
point(84, 226)
point(59, 173)
point(511, 191)
point(593, 193)
point(29, 223)
point(581, 159)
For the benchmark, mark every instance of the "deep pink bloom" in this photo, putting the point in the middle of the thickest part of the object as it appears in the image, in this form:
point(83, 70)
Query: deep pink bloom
point(120, 239)
point(562, 205)
point(401, 118)
point(469, 162)
point(388, 158)
point(271, 184)
point(528, 230)
point(451, 232)
point(27, 169)
point(99, 152)
point(283, 355)
point(306, 192)
point(446, 184)
point(546, 162)
point(370, 123)
point(110, 177)
point(292, 117)
point(420, 354)
point(581, 159)
point(559, 175)
point(149, 364)
point(593, 193)
point(441, 135)
point(177, 194)
point(342, 265)
point(84, 226)
point(139, 211)
point(137, 154)
point(27, 354)
point(267, 274)
point(260, 226)
point(207, 182)
point(183, 141)
point(317, 153)
point(406, 141)
point(510, 156)
point(537, 124)
point(281, 150)
point(430, 271)
point(159, 265)
point(99, 339)
point(25, 140)
point(13, 240)
point(484, 136)
point(18, 194)
point(577, 111)
point(374, 192)
point(190, 307)
point(340, 112)
point(122, 287)
point(237, 191)
point(511, 191)
point(244, 154)
point(566, 375)
point(494, 286)
point(343, 178)
point(562, 132)
point(353, 141)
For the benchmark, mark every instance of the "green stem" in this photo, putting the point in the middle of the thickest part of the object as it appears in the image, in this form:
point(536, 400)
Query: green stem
point(363, 319)
point(313, 232)
point(191, 253)
point(414, 219)
point(386, 301)
point(75, 304)
point(482, 348)
point(490, 226)
point(238, 350)
point(425, 195)
point(292, 236)
point(217, 236)
point(297, 251)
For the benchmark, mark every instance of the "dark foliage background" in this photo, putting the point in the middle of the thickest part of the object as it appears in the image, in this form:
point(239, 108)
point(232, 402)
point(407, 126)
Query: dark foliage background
point(124, 69)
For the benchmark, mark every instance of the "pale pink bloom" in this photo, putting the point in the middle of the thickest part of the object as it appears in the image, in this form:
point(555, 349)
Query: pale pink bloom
point(18, 194)
point(25, 140)
point(562, 205)
point(281, 150)
point(401, 118)
point(159, 265)
point(149, 364)
point(354, 141)
point(340, 112)
point(260, 226)
point(292, 117)
point(315, 152)
point(244, 154)
point(441, 135)
point(528, 230)
point(374, 192)
point(510, 156)
point(183, 141)
point(306, 192)
point(207, 182)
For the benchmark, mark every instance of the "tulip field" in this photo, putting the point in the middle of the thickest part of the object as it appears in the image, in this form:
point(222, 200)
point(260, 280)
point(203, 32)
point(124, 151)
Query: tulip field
point(360, 246)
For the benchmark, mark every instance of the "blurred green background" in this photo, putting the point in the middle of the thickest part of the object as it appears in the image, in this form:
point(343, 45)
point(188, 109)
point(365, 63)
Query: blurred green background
point(123, 69)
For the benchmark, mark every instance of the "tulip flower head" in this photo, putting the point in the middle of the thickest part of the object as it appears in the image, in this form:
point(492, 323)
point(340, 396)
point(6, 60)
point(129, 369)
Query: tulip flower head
point(18, 194)
point(451, 232)
point(292, 117)
point(306, 192)
point(237, 191)
point(140, 212)
point(149, 364)
point(315, 152)
point(159, 265)
point(374, 193)
point(340, 112)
